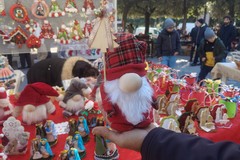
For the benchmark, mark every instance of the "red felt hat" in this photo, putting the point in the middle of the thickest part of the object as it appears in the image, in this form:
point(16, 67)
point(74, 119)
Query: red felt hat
point(129, 57)
point(36, 94)
point(3, 93)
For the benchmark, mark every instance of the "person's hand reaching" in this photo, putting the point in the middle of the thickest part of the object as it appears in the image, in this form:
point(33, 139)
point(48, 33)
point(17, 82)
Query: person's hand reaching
point(131, 139)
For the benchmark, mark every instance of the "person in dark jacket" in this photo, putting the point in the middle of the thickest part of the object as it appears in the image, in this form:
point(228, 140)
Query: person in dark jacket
point(211, 50)
point(53, 70)
point(197, 34)
point(25, 57)
point(168, 44)
point(161, 144)
point(227, 32)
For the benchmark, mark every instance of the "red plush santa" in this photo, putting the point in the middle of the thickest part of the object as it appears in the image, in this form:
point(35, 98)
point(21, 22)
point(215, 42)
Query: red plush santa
point(34, 103)
point(5, 106)
point(126, 96)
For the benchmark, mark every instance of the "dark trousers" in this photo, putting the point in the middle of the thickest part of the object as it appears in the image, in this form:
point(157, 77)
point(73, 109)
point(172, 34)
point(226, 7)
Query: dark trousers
point(192, 52)
point(9, 57)
point(204, 72)
point(25, 57)
point(197, 56)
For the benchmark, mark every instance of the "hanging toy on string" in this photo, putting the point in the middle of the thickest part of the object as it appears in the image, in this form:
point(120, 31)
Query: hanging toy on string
point(46, 30)
point(33, 40)
point(55, 10)
point(40, 9)
point(62, 36)
point(87, 28)
point(76, 31)
point(88, 7)
point(17, 36)
point(19, 13)
point(70, 6)
point(2, 8)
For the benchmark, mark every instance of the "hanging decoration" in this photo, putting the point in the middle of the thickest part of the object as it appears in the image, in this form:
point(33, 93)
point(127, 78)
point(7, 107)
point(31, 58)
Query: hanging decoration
point(19, 13)
point(55, 10)
point(88, 7)
point(87, 28)
point(40, 9)
point(70, 6)
point(17, 36)
point(46, 30)
point(33, 41)
point(2, 8)
point(76, 31)
point(62, 36)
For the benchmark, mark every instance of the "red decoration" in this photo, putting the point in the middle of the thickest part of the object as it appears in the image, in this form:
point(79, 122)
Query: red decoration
point(19, 13)
point(40, 9)
point(33, 42)
point(17, 36)
point(47, 31)
point(87, 28)
point(2, 8)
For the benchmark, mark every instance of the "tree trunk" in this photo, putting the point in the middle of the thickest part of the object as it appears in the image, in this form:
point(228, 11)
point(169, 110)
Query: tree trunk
point(184, 15)
point(231, 4)
point(147, 22)
point(124, 17)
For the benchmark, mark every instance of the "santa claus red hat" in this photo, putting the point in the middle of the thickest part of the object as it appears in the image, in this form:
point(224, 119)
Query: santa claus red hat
point(3, 93)
point(129, 57)
point(36, 94)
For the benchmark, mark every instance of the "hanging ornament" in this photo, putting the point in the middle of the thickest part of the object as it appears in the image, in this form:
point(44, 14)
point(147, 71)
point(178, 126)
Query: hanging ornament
point(55, 10)
point(40, 9)
point(17, 36)
point(2, 8)
point(88, 7)
point(62, 36)
point(76, 31)
point(33, 41)
point(46, 30)
point(70, 6)
point(87, 28)
point(19, 13)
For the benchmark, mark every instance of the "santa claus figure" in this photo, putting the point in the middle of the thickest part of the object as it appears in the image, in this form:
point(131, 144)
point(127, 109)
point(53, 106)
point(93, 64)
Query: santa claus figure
point(126, 96)
point(87, 28)
point(5, 106)
point(74, 98)
point(34, 103)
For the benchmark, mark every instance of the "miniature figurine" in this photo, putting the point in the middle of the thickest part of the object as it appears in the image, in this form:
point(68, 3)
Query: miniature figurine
point(63, 155)
point(40, 130)
point(205, 119)
point(51, 132)
point(78, 144)
point(69, 143)
point(45, 149)
point(72, 124)
point(6, 108)
point(35, 149)
point(83, 128)
point(73, 154)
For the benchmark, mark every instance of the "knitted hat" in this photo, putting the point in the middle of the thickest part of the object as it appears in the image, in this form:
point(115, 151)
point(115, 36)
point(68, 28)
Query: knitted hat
point(201, 20)
point(3, 93)
point(36, 94)
point(129, 57)
point(76, 88)
point(209, 33)
point(168, 23)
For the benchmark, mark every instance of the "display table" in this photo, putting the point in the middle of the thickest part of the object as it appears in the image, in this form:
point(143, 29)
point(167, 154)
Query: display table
point(225, 71)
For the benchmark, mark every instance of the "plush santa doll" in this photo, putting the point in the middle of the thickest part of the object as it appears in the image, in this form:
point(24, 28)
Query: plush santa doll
point(34, 103)
point(126, 96)
point(5, 106)
point(74, 98)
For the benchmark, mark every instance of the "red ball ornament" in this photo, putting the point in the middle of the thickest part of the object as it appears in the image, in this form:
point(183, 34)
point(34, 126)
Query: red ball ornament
point(33, 42)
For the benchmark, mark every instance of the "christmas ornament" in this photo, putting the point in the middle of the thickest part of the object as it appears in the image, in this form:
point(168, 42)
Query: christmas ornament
point(19, 13)
point(88, 7)
point(33, 41)
point(76, 31)
point(2, 8)
point(17, 36)
point(46, 30)
point(55, 10)
point(70, 6)
point(87, 28)
point(62, 36)
point(40, 9)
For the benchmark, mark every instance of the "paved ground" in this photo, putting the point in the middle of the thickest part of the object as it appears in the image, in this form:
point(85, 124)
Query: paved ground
point(182, 64)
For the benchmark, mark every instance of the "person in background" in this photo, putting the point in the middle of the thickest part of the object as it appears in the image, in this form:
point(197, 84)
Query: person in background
point(197, 34)
point(227, 33)
point(156, 143)
point(25, 57)
point(211, 50)
point(168, 44)
point(130, 28)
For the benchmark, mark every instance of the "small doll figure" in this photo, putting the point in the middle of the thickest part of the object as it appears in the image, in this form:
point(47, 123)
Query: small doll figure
point(35, 149)
point(87, 28)
point(40, 10)
point(100, 121)
point(63, 155)
point(72, 126)
point(73, 154)
point(45, 149)
point(40, 130)
point(5, 106)
point(51, 132)
point(78, 144)
point(83, 128)
point(69, 143)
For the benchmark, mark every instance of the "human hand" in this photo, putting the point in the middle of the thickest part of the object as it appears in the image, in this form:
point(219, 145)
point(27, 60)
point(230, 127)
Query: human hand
point(160, 59)
point(175, 53)
point(203, 59)
point(132, 139)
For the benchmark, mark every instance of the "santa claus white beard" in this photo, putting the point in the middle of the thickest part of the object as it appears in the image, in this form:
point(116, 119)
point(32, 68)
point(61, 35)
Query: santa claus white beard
point(132, 105)
point(74, 106)
point(32, 114)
